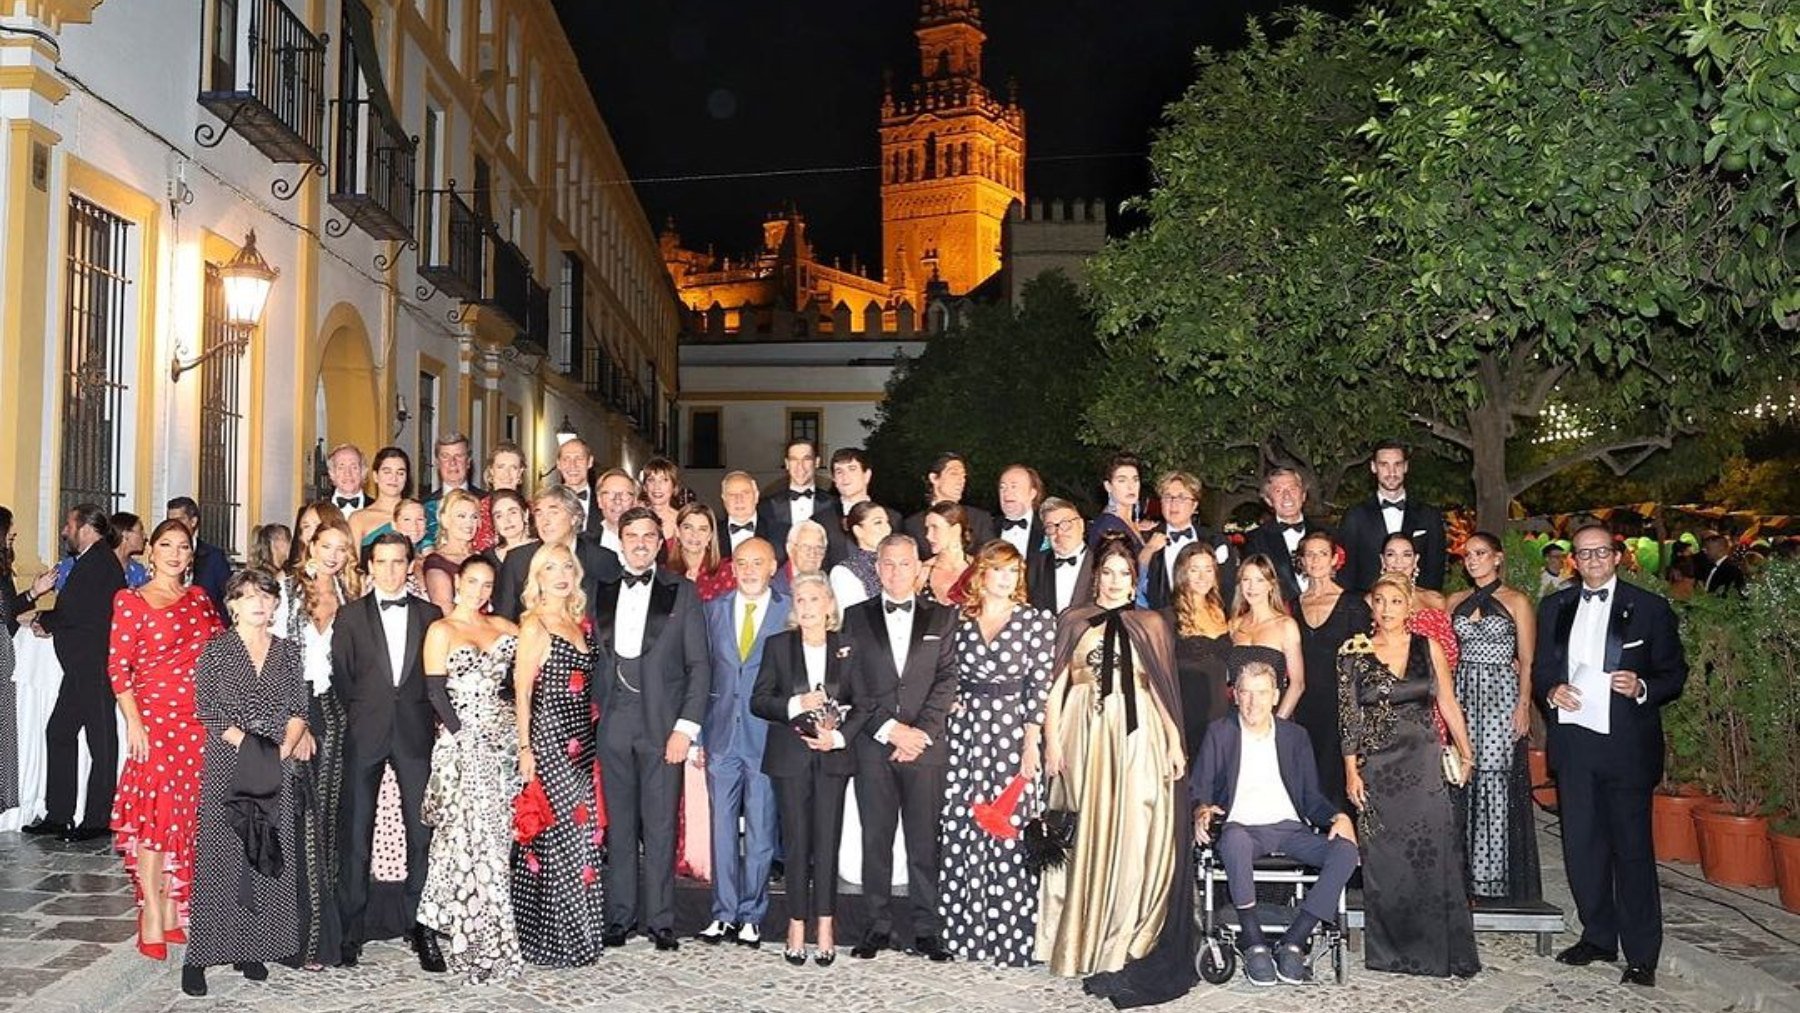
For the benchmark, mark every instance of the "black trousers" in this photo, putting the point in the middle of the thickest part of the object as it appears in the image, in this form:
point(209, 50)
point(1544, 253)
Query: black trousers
point(362, 789)
point(1611, 862)
point(1240, 846)
point(911, 795)
point(810, 807)
point(85, 703)
point(642, 796)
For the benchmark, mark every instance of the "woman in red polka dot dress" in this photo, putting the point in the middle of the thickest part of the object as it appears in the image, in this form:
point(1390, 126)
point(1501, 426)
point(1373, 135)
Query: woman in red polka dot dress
point(158, 632)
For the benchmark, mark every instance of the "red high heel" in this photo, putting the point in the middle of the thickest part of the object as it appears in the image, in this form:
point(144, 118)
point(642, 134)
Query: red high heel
point(155, 951)
point(175, 935)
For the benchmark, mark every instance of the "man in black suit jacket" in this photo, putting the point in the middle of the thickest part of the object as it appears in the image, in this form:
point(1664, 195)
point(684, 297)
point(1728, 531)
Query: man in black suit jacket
point(1179, 494)
point(1284, 490)
point(379, 675)
point(1061, 573)
point(1630, 638)
point(1020, 491)
point(741, 520)
point(946, 482)
point(575, 471)
point(850, 477)
point(1720, 575)
point(903, 670)
point(553, 510)
point(451, 454)
point(1391, 511)
point(1281, 811)
point(79, 627)
point(651, 686)
point(798, 500)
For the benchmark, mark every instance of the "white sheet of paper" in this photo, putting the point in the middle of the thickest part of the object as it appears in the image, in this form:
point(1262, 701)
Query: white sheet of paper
point(1595, 712)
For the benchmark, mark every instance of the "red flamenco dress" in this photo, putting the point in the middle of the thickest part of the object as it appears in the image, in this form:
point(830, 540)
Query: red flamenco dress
point(152, 657)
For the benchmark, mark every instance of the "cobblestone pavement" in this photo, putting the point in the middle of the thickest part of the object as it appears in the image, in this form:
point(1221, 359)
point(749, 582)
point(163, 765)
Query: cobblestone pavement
point(66, 926)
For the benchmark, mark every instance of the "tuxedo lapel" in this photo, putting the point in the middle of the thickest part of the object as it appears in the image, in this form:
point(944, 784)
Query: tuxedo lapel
point(1615, 627)
point(606, 607)
point(834, 665)
point(878, 629)
point(662, 602)
point(378, 632)
point(921, 620)
point(415, 637)
point(1565, 621)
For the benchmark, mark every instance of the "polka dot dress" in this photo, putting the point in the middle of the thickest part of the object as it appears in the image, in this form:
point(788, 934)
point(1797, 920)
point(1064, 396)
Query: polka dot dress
point(556, 878)
point(152, 656)
point(986, 896)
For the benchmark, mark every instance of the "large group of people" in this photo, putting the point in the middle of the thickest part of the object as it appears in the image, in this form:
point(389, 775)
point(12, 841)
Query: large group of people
point(501, 723)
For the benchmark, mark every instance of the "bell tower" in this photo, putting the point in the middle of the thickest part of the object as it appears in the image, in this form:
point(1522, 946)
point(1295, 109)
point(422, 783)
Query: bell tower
point(952, 161)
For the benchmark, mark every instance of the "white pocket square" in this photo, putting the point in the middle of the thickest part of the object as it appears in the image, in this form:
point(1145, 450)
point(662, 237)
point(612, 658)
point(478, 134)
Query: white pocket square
point(931, 636)
point(1419, 533)
point(1634, 643)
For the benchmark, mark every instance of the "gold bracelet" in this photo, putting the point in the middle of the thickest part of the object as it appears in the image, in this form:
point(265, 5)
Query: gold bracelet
point(525, 748)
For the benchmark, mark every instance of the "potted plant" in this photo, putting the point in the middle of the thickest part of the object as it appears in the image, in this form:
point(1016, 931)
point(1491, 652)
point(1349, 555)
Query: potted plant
point(1686, 782)
point(1722, 655)
point(1772, 603)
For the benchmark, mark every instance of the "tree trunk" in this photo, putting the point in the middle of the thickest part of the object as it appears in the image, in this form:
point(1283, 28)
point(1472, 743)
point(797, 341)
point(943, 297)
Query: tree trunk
point(1493, 493)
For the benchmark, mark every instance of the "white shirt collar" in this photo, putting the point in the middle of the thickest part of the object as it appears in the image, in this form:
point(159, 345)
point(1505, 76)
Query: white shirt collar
point(1611, 587)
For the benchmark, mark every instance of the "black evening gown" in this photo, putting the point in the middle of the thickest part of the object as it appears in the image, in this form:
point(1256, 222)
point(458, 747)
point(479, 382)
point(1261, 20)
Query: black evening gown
point(1239, 655)
point(1417, 918)
point(1317, 711)
point(1200, 666)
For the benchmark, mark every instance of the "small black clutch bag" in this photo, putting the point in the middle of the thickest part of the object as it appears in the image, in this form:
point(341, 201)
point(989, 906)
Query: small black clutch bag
point(1048, 838)
point(810, 724)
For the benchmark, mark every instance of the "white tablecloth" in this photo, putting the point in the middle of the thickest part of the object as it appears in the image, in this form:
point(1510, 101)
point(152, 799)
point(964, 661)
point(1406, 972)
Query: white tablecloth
point(36, 678)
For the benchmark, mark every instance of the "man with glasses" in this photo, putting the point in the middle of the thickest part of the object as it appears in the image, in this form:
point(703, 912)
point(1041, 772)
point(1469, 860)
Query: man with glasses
point(616, 492)
point(1621, 642)
point(1179, 494)
point(1062, 573)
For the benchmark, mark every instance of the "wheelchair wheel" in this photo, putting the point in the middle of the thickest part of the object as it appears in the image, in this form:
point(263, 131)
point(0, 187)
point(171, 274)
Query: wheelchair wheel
point(1339, 961)
point(1215, 962)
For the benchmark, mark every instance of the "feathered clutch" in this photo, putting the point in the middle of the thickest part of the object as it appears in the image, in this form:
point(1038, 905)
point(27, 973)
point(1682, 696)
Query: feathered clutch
point(813, 723)
point(1048, 839)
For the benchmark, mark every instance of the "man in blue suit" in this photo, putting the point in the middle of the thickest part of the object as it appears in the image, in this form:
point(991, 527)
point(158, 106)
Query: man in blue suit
point(731, 746)
point(1257, 771)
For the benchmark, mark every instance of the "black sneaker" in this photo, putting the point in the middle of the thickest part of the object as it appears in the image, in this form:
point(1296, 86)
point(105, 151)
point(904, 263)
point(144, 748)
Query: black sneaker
point(1290, 965)
point(1259, 966)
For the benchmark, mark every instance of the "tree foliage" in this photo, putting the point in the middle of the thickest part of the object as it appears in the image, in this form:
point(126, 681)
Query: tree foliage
point(999, 389)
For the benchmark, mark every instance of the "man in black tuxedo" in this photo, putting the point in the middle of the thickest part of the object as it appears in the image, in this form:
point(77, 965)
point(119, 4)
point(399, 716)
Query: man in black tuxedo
point(946, 482)
point(79, 627)
point(1284, 490)
point(554, 511)
point(347, 468)
point(575, 470)
point(651, 686)
point(1605, 625)
point(1021, 490)
point(903, 673)
point(851, 474)
point(1391, 511)
point(1179, 494)
point(378, 673)
point(785, 508)
point(211, 567)
point(1720, 575)
point(451, 454)
point(742, 498)
point(1061, 573)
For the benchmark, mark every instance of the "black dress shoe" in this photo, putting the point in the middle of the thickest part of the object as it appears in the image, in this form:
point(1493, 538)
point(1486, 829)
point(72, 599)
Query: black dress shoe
point(426, 946)
point(614, 937)
point(193, 979)
point(665, 939)
point(932, 947)
point(1635, 975)
point(1584, 953)
point(252, 970)
point(81, 835)
point(350, 955)
point(777, 871)
point(871, 944)
point(44, 828)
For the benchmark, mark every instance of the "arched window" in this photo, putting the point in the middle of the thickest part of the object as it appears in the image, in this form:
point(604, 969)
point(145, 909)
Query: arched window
point(931, 151)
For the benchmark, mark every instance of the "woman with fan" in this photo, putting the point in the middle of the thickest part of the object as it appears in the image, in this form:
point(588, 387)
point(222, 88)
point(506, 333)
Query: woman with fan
point(802, 689)
point(987, 896)
point(1120, 907)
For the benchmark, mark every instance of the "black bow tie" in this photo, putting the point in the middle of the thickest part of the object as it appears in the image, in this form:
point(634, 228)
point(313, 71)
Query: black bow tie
point(898, 606)
point(1176, 536)
point(799, 494)
point(750, 527)
point(637, 579)
point(1297, 526)
point(1394, 504)
point(1067, 560)
point(392, 603)
point(1007, 524)
point(348, 501)
point(1597, 592)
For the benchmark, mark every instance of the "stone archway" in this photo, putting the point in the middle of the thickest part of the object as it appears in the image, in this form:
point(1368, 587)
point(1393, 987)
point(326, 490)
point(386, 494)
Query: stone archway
point(346, 396)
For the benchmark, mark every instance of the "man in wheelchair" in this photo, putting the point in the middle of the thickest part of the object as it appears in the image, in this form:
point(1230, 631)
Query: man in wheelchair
point(1257, 772)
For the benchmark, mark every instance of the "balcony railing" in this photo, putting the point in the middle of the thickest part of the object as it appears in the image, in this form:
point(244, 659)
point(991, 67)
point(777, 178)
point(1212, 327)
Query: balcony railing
point(509, 288)
point(269, 86)
point(451, 258)
point(535, 336)
point(373, 166)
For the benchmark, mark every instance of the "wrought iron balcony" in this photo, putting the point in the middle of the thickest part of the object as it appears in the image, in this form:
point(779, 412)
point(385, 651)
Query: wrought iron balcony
point(266, 82)
point(372, 173)
point(509, 288)
point(534, 337)
point(452, 253)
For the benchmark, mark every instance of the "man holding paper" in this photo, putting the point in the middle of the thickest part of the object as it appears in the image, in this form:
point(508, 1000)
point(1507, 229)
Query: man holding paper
point(1609, 657)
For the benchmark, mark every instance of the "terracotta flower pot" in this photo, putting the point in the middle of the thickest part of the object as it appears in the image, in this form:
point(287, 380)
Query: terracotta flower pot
point(1543, 785)
point(1787, 868)
point(1734, 850)
point(1672, 826)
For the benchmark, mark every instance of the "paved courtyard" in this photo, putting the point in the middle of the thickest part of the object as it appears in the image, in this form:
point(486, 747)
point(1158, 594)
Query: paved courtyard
point(66, 925)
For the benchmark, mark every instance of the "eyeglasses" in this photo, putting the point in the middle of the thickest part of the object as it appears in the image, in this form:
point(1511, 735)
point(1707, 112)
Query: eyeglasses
point(1180, 497)
point(1058, 527)
point(1598, 552)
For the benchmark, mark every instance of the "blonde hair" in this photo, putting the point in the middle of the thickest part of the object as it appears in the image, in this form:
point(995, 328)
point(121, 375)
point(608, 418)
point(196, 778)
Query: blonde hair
point(1399, 582)
point(993, 556)
point(809, 579)
point(450, 501)
point(534, 591)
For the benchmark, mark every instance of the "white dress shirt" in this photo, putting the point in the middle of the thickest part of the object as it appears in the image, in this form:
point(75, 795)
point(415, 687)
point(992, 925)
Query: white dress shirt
point(349, 502)
point(1172, 550)
point(1393, 519)
point(1587, 635)
point(1260, 798)
point(609, 538)
point(629, 618)
point(1292, 540)
point(740, 537)
point(1065, 576)
point(1017, 536)
point(802, 509)
point(899, 629)
point(393, 623)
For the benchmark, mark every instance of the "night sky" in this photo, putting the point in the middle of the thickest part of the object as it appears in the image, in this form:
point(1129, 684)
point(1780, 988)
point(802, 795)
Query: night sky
point(699, 87)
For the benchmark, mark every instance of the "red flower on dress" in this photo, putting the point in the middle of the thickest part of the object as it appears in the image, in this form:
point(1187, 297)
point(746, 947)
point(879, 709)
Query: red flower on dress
point(587, 875)
point(577, 682)
point(574, 747)
point(531, 815)
point(581, 812)
point(531, 861)
point(587, 625)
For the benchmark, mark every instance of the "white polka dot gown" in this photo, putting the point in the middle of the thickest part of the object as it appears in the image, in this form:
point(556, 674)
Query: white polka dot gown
point(986, 896)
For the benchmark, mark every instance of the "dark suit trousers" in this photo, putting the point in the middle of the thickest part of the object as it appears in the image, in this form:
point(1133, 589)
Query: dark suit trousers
point(811, 808)
point(362, 788)
point(912, 795)
point(642, 795)
point(1610, 861)
point(84, 704)
point(1239, 847)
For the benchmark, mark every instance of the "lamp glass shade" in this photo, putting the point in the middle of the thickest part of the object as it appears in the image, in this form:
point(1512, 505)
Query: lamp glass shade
point(247, 280)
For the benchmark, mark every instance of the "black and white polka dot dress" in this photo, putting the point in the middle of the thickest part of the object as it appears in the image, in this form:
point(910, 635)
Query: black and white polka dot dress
point(556, 878)
point(986, 896)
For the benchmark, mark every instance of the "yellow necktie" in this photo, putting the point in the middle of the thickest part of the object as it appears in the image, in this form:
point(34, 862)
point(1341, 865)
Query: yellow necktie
point(747, 635)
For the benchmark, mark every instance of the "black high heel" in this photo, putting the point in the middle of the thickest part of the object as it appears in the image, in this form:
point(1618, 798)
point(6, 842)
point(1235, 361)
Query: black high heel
point(252, 970)
point(193, 979)
point(823, 958)
point(795, 957)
